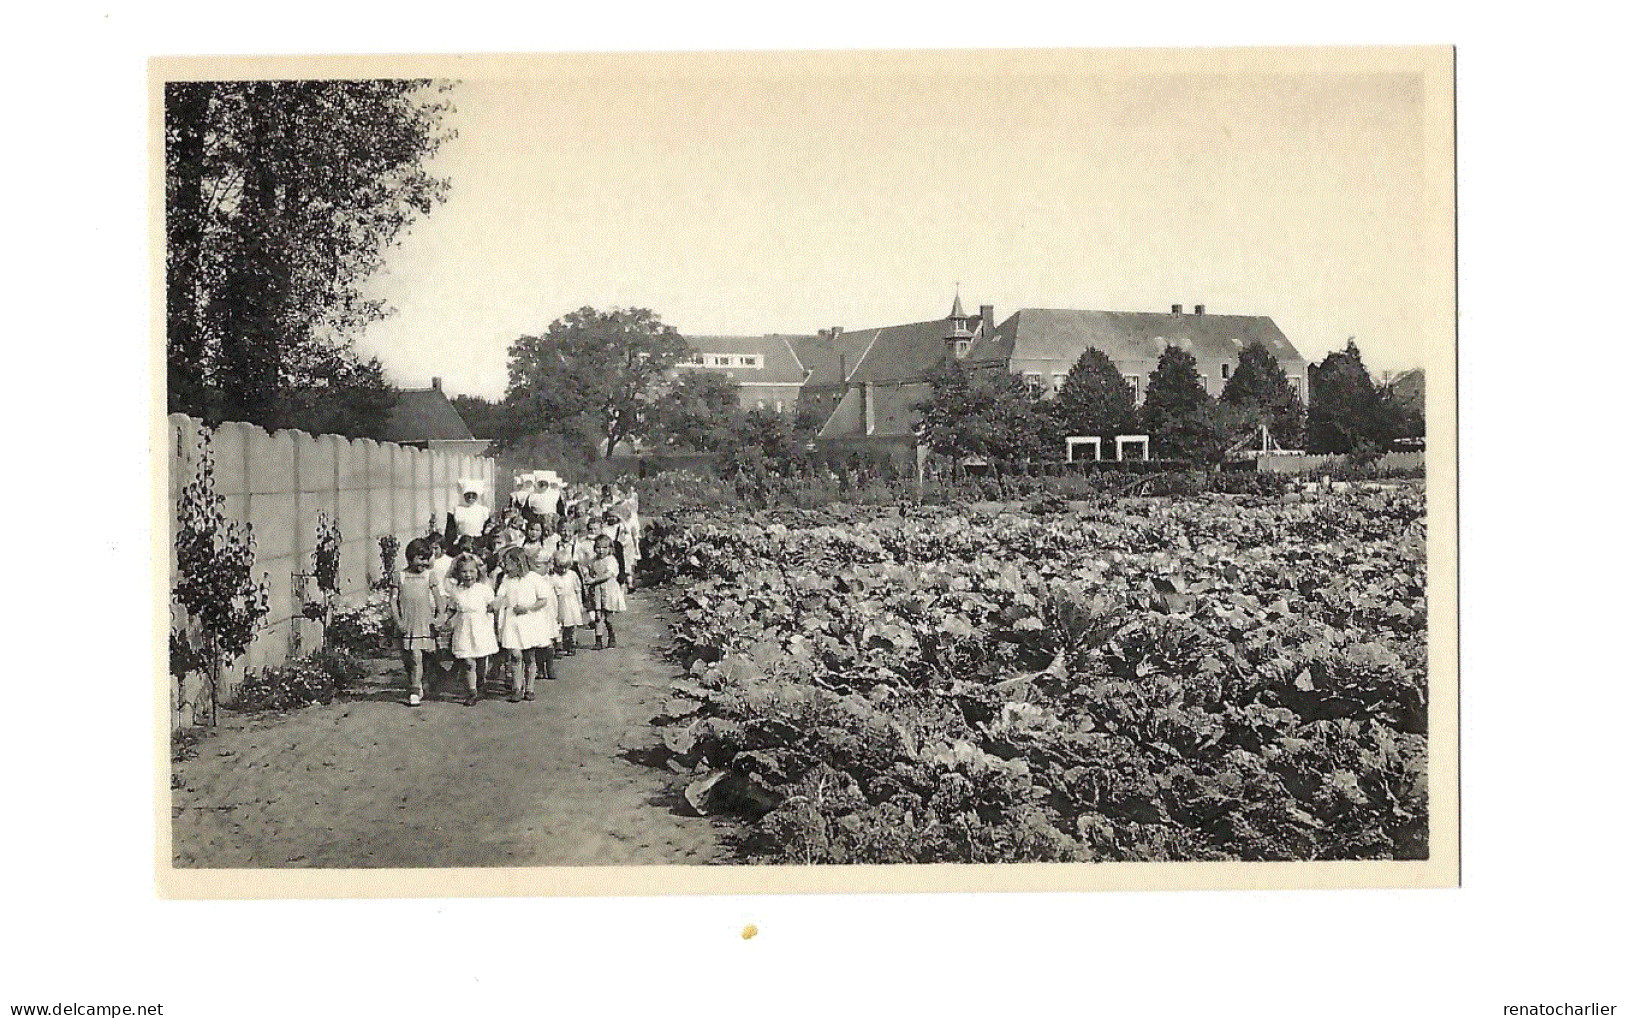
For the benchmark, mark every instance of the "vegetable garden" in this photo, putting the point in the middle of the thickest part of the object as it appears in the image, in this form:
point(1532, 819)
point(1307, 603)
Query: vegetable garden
point(1213, 678)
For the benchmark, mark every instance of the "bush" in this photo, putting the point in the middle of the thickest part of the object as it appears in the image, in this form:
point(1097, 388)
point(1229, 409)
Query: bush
point(364, 629)
point(300, 682)
point(345, 670)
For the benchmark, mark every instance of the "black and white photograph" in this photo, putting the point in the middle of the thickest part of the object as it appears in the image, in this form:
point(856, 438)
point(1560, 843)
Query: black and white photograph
point(663, 473)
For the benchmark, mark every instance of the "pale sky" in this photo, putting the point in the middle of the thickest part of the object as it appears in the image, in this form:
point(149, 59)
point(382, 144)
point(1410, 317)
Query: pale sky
point(790, 195)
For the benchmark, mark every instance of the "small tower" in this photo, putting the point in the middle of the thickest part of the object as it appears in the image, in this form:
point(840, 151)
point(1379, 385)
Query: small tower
point(957, 342)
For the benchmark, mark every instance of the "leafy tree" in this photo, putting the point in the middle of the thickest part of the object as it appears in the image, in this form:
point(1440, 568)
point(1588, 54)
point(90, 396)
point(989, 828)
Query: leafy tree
point(602, 367)
point(1401, 417)
point(327, 389)
point(1094, 399)
point(281, 198)
point(1174, 402)
point(1204, 435)
point(771, 432)
point(990, 415)
point(698, 411)
point(1347, 413)
point(1259, 384)
point(484, 418)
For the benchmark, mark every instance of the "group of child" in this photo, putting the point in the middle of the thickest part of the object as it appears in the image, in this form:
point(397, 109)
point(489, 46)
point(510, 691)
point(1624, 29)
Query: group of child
point(510, 594)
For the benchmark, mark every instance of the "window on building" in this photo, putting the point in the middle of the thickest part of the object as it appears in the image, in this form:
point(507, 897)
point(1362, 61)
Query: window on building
point(1224, 372)
point(1056, 379)
point(750, 361)
point(1035, 383)
point(724, 361)
point(1296, 381)
point(778, 406)
point(1206, 387)
point(1133, 386)
point(961, 347)
point(761, 404)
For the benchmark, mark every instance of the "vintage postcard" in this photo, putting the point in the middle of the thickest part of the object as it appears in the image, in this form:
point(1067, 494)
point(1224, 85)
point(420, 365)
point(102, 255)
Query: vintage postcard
point(805, 472)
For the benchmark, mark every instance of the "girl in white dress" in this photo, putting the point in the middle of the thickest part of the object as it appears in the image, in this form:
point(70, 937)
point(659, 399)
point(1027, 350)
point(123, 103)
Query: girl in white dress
point(604, 590)
point(567, 585)
point(529, 613)
point(470, 604)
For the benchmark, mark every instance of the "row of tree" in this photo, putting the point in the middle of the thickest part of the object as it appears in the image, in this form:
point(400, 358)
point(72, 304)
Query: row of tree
point(281, 199)
point(597, 380)
point(997, 416)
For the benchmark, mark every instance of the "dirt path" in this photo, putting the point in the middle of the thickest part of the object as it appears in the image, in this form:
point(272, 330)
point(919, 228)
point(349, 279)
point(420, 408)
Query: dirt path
point(370, 782)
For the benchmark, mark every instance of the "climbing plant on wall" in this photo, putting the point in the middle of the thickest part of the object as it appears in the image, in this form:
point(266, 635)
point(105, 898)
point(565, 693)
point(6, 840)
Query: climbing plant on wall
point(214, 582)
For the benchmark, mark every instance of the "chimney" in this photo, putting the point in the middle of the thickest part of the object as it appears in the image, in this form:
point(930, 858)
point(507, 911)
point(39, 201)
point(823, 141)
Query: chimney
point(1200, 308)
point(434, 383)
point(987, 319)
point(835, 331)
point(1178, 309)
point(868, 407)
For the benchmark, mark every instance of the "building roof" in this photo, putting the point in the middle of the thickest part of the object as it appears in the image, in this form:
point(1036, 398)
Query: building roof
point(1061, 335)
point(892, 407)
point(779, 361)
point(425, 415)
point(822, 355)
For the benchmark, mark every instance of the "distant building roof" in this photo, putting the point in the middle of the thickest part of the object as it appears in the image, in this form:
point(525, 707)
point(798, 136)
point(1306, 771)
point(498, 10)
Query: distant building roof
point(779, 363)
point(425, 415)
point(822, 355)
point(891, 409)
point(1061, 335)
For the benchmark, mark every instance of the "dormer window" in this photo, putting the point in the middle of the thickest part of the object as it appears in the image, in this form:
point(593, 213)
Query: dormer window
point(961, 347)
point(750, 361)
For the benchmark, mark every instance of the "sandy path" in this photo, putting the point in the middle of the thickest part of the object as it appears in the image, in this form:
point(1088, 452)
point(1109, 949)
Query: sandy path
point(370, 782)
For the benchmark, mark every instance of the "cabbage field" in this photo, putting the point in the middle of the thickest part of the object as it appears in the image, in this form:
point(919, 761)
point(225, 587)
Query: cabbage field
point(1210, 678)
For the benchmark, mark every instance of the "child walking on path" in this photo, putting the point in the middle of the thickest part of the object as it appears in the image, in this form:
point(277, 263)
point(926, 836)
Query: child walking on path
point(416, 606)
point(604, 589)
point(526, 601)
point(470, 604)
point(567, 588)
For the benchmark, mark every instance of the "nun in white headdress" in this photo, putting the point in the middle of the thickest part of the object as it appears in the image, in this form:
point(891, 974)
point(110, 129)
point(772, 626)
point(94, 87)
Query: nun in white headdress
point(470, 514)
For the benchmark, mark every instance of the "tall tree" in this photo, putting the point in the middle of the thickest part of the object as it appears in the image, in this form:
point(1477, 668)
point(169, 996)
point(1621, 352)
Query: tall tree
point(990, 415)
point(1174, 397)
point(186, 109)
point(281, 200)
point(1347, 413)
point(1258, 384)
point(484, 418)
point(1094, 399)
point(606, 367)
point(698, 411)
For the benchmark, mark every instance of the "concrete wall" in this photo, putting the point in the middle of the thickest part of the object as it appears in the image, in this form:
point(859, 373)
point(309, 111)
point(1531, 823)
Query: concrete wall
point(278, 481)
point(1311, 464)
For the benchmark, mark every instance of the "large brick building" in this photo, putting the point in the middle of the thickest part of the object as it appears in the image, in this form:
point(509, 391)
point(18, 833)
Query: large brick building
point(863, 385)
point(766, 367)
